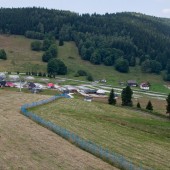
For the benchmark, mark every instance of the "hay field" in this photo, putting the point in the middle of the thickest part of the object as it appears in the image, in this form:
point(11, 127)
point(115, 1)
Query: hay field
point(140, 137)
point(26, 145)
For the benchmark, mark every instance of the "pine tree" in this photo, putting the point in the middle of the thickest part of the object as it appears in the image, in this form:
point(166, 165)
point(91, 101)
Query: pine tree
point(149, 106)
point(138, 105)
point(61, 42)
point(168, 105)
point(127, 96)
point(112, 99)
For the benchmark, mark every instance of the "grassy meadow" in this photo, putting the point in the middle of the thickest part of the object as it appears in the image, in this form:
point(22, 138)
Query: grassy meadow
point(21, 58)
point(140, 137)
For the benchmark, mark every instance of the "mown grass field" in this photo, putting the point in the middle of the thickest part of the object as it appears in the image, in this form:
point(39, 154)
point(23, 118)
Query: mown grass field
point(140, 137)
point(21, 58)
point(27, 145)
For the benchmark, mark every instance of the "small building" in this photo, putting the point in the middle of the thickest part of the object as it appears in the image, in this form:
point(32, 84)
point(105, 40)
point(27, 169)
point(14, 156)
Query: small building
point(103, 81)
point(90, 91)
point(88, 99)
point(132, 83)
point(71, 89)
point(144, 86)
point(101, 92)
point(31, 85)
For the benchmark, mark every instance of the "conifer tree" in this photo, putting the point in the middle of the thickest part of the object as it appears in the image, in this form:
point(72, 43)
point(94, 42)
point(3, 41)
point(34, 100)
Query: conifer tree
point(149, 106)
point(112, 99)
point(138, 105)
point(127, 96)
point(168, 105)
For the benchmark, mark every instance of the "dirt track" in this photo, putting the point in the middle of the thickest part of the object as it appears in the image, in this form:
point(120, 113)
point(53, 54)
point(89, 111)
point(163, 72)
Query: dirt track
point(26, 145)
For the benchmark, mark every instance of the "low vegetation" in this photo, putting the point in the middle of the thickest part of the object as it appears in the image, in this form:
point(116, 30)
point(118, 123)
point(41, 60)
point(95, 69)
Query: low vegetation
point(140, 137)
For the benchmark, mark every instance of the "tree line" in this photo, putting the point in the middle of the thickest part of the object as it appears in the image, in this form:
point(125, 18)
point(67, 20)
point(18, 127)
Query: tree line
point(120, 40)
point(126, 97)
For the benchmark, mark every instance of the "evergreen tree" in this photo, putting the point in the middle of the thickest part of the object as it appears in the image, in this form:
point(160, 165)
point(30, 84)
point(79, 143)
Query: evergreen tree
point(3, 54)
point(61, 42)
point(132, 61)
point(127, 96)
point(138, 105)
point(168, 105)
point(149, 106)
point(112, 99)
point(90, 77)
point(36, 45)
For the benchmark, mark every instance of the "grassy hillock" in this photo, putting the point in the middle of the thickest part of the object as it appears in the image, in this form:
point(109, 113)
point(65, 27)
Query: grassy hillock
point(140, 137)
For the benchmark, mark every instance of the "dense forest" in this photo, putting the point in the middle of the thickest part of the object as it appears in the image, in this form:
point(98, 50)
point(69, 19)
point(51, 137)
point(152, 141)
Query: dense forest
point(121, 39)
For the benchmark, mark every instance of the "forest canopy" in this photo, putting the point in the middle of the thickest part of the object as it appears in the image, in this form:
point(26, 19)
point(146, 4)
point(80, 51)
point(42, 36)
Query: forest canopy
point(101, 39)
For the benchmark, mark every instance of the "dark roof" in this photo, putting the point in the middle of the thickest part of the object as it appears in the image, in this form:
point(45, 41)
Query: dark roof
point(131, 81)
point(90, 91)
point(30, 84)
point(2, 83)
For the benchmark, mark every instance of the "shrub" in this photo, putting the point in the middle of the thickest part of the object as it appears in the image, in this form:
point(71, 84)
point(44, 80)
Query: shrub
point(82, 73)
point(122, 65)
point(90, 77)
point(36, 45)
point(3, 54)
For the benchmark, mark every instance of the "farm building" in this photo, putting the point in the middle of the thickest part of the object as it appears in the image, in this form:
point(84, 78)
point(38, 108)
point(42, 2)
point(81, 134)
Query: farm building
point(101, 92)
point(132, 83)
point(90, 91)
point(144, 86)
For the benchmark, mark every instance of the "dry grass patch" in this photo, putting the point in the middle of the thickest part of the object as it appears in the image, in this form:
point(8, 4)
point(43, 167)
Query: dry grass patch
point(26, 145)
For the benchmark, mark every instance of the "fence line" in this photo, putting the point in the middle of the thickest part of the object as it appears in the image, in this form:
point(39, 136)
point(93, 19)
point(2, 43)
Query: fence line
point(110, 157)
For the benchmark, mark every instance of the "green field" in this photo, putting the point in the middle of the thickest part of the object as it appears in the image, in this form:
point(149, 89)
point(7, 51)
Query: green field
point(21, 58)
point(140, 137)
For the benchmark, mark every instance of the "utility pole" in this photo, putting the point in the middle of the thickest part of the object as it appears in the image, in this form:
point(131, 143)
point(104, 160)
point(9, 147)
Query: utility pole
point(20, 82)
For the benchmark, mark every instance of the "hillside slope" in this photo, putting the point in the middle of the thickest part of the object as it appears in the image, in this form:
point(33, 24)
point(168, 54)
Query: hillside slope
point(21, 58)
point(26, 145)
